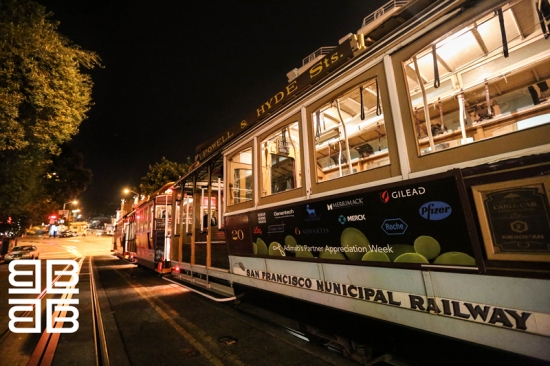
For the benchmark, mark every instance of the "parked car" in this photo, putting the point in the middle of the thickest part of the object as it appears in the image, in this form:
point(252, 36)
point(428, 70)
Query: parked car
point(67, 234)
point(35, 230)
point(22, 252)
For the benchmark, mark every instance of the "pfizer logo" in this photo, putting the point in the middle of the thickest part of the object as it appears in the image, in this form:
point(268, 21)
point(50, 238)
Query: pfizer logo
point(435, 210)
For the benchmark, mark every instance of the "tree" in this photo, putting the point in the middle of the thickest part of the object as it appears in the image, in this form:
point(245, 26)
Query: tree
point(43, 94)
point(161, 173)
point(44, 97)
point(66, 177)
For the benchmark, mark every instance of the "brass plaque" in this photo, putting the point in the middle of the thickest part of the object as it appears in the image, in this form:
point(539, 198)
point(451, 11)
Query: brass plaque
point(515, 219)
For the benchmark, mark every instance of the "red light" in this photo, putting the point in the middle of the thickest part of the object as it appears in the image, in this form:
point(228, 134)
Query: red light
point(53, 217)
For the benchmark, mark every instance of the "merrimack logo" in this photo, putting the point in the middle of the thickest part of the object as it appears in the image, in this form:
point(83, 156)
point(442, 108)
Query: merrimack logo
point(435, 210)
point(344, 204)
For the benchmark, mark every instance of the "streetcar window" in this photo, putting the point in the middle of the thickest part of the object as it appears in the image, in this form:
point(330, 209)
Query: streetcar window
point(350, 133)
point(480, 82)
point(280, 159)
point(240, 177)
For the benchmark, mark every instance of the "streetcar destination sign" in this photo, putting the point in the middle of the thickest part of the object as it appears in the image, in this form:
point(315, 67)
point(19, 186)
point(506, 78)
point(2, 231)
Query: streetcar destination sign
point(508, 318)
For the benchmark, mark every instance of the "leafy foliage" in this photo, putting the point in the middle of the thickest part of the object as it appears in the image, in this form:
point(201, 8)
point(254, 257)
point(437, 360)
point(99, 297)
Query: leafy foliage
point(66, 177)
point(44, 97)
point(161, 173)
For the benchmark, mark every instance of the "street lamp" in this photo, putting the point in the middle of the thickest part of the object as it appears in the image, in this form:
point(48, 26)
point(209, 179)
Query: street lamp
point(136, 198)
point(129, 190)
point(74, 202)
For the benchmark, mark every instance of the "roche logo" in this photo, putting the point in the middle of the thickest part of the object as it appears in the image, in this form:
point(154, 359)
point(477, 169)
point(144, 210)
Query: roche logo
point(394, 226)
point(435, 210)
point(342, 219)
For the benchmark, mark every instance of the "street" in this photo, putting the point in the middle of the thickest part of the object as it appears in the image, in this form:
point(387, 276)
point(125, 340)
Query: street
point(78, 246)
point(141, 318)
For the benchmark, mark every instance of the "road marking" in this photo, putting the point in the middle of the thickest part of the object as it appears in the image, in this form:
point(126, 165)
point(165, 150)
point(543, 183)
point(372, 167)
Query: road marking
point(45, 349)
point(147, 295)
point(73, 250)
point(198, 346)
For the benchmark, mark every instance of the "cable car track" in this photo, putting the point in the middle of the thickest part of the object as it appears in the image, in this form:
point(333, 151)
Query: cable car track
point(44, 351)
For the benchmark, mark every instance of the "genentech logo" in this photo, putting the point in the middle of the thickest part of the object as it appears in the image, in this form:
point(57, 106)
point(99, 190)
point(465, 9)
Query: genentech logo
point(25, 306)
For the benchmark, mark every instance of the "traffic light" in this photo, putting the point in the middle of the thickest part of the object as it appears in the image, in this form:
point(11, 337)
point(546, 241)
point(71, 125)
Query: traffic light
point(52, 218)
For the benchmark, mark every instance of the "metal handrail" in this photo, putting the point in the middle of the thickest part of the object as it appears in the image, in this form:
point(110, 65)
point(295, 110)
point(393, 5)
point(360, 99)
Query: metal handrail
point(321, 51)
point(384, 9)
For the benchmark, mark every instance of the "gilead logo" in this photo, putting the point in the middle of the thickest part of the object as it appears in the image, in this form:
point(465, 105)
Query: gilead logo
point(26, 306)
point(418, 191)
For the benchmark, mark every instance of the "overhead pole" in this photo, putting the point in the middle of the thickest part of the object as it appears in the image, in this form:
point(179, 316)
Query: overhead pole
point(194, 221)
point(209, 220)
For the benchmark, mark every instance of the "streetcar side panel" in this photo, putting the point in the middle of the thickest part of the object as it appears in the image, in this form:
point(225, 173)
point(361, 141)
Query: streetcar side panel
point(434, 194)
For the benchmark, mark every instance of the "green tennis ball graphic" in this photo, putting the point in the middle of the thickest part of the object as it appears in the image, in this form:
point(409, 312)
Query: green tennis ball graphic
point(455, 258)
point(375, 257)
point(302, 252)
point(411, 258)
point(325, 254)
point(427, 246)
point(276, 249)
point(290, 241)
point(261, 247)
point(352, 237)
point(399, 249)
point(255, 247)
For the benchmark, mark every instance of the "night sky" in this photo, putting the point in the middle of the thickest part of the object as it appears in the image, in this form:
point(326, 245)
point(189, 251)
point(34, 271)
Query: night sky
point(177, 72)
